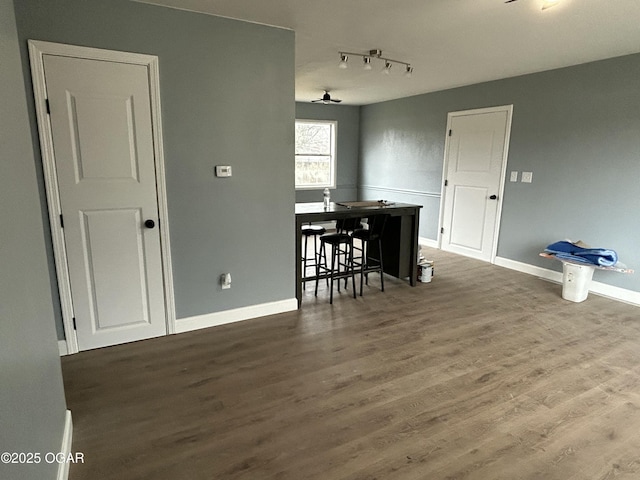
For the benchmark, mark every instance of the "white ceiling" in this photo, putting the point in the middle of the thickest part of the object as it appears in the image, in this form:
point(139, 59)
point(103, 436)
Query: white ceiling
point(450, 43)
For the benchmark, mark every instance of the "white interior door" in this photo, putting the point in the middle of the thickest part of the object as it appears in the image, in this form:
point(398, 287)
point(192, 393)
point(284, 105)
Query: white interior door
point(103, 144)
point(475, 168)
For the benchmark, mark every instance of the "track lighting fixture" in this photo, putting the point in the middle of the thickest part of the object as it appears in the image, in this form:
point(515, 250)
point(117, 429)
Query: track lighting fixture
point(374, 54)
point(545, 4)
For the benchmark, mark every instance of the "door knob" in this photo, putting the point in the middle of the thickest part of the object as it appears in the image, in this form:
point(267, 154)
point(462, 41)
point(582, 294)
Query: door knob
point(149, 223)
point(493, 197)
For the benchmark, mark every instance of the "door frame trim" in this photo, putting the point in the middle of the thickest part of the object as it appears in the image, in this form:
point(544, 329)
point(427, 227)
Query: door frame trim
point(445, 165)
point(37, 50)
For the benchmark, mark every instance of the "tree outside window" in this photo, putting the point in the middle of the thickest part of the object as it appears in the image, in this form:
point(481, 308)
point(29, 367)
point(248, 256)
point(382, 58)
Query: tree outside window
point(315, 151)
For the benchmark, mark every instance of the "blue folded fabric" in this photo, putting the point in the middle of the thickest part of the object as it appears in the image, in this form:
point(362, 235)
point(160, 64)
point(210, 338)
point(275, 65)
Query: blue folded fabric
point(594, 256)
point(575, 258)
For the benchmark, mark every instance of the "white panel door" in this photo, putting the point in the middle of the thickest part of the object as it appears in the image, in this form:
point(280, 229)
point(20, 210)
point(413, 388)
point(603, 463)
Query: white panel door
point(100, 115)
point(476, 154)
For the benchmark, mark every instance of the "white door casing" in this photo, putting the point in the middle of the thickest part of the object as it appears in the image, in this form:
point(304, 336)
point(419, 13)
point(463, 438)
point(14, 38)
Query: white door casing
point(104, 171)
point(474, 171)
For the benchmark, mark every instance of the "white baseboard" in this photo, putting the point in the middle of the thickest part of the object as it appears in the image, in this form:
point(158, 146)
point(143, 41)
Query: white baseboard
point(221, 318)
point(427, 242)
point(616, 293)
point(65, 446)
point(235, 315)
point(545, 273)
point(597, 288)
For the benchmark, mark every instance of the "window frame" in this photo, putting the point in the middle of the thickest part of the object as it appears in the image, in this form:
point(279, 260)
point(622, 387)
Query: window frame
point(333, 154)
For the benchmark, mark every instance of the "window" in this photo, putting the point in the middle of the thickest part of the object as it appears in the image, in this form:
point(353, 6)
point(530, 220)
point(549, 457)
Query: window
point(315, 154)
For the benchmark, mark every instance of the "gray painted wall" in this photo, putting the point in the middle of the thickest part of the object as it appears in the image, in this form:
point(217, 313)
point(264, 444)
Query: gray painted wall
point(227, 92)
point(32, 403)
point(577, 129)
point(347, 149)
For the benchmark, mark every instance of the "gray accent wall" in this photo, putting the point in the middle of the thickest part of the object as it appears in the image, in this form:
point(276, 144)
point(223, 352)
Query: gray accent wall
point(402, 151)
point(347, 149)
point(577, 129)
point(32, 403)
point(227, 93)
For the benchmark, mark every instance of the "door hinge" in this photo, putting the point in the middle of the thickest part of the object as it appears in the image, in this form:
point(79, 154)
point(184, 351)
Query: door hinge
point(441, 229)
point(450, 132)
point(48, 106)
point(61, 221)
point(446, 183)
point(74, 324)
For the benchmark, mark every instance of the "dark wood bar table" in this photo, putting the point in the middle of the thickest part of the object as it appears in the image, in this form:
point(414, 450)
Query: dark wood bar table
point(399, 242)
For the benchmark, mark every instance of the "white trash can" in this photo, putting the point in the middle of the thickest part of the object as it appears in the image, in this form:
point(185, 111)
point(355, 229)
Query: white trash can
point(576, 280)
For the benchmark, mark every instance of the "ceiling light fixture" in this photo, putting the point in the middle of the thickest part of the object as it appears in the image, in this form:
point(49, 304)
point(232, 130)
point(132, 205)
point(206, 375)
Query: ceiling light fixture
point(375, 54)
point(545, 4)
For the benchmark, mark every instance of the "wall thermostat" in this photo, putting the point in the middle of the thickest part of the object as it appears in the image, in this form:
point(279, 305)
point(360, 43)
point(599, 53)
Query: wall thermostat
point(223, 170)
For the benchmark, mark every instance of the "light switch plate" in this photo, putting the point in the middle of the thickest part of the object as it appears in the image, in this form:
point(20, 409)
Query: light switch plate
point(527, 177)
point(514, 176)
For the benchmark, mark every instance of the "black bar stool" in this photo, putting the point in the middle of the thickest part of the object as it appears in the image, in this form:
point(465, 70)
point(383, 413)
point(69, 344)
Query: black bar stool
point(348, 225)
point(310, 231)
point(341, 245)
point(369, 264)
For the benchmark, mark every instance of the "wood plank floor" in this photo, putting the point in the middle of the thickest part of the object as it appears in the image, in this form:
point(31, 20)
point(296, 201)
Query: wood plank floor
point(483, 374)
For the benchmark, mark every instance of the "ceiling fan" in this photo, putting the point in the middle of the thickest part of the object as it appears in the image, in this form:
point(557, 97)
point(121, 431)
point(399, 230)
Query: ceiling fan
point(326, 99)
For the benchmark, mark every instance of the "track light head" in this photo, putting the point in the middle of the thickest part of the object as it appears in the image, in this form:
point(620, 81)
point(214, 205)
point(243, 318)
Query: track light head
point(377, 55)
